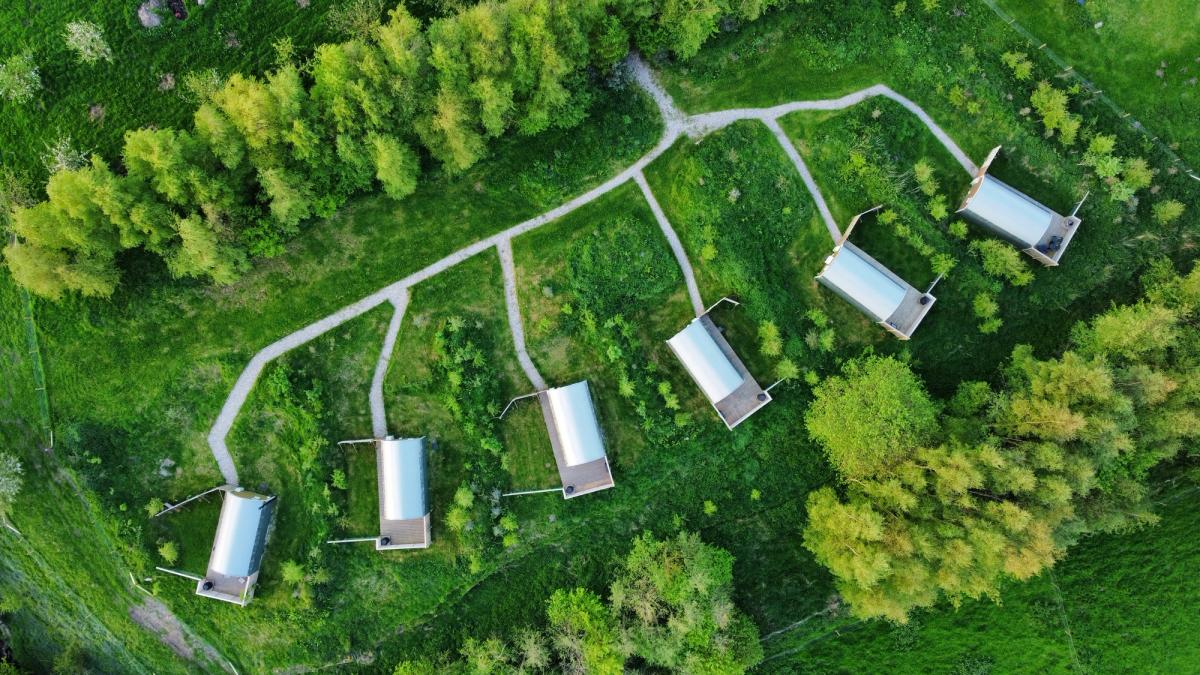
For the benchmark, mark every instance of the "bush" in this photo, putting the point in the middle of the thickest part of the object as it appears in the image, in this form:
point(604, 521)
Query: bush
point(1051, 105)
point(87, 41)
point(1168, 211)
point(1002, 261)
point(19, 79)
point(169, 552)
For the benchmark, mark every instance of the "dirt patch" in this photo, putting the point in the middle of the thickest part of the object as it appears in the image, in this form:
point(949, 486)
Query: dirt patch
point(157, 618)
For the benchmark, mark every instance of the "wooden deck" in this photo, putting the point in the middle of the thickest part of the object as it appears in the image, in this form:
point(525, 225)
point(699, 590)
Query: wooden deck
point(402, 534)
point(238, 590)
point(904, 321)
point(747, 398)
point(1062, 226)
point(576, 480)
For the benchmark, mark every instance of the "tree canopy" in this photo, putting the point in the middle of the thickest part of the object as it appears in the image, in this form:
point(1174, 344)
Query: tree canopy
point(264, 154)
point(1009, 478)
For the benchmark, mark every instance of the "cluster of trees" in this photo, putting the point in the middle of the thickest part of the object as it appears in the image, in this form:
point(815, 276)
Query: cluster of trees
point(950, 499)
point(264, 154)
point(670, 609)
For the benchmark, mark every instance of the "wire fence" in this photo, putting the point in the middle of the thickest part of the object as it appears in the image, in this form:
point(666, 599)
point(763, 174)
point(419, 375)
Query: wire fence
point(39, 372)
point(1068, 70)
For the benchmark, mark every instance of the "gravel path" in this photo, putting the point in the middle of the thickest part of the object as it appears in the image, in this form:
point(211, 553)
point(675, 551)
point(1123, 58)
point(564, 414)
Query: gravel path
point(699, 125)
point(513, 305)
point(689, 276)
point(378, 412)
point(676, 124)
point(806, 176)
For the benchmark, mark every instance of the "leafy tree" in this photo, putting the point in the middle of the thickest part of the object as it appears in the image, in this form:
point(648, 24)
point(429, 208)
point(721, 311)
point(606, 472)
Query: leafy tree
point(1014, 476)
point(87, 41)
point(396, 165)
point(19, 79)
point(201, 253)
point(67, 243)
point(14, 194)
point(871, 415)
point(356, 18)
point(583, 633)
point(673, 600)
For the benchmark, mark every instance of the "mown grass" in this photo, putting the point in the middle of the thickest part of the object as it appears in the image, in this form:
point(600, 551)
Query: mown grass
point(128, 88)
point(1145, 56)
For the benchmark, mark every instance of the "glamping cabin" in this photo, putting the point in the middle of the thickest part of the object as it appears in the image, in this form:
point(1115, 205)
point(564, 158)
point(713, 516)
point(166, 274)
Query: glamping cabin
point(1009, 213)
point(576, 439)
point(717, 370)
point(238, 546)
point(403, 504)
point(403, 494)
point(865, 283)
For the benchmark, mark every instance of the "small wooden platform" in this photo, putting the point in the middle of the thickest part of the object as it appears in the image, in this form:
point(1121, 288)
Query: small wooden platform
point(746, 399)
point(576, 480)
point(237, 590)
point(1061, 226)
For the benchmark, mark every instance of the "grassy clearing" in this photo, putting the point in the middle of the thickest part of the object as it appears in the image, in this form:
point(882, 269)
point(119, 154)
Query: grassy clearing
point(1141, 55)
point(228, 37)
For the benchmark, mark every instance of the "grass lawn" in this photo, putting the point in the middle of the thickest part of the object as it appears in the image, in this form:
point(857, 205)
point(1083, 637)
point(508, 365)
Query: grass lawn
point(1145, 56)
point(229, 36)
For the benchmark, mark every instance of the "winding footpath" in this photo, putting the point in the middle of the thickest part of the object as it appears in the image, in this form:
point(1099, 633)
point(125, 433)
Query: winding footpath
point(676, 124)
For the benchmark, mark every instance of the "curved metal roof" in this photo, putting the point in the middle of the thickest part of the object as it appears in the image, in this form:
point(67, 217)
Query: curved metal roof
point(575, 418)
point(861, 283)
point(705, 361)
point(1007, 211)
point(402, 478)
point(241, 533)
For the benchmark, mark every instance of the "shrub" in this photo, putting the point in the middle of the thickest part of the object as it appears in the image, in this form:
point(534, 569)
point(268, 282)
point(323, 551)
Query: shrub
point(1020, 64)
point(169, 552)
point(1168, 211)
point(1051, 105)
point(926, 181)
point(87, 41)
point(1002, 261)
point(770, 342)
point(958, 229)
point(292, 572)
point(19, 79)
point(938, 209)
